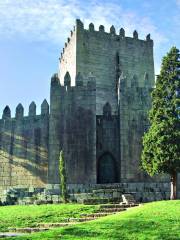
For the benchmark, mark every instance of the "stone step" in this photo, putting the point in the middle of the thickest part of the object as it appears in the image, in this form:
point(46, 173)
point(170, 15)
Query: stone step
point(112, 206)
point(104, 200)
point(106, 190)
point(9, 234)
point(83, 219)
point(28, 229)
point(54, 225)
point(108, 186)
point(119, 206)
point(93, 201)
point(83, 195)
point(98, 197)
point(46, 226)
point(97, 215)
point(109, 210)
point(129, 205)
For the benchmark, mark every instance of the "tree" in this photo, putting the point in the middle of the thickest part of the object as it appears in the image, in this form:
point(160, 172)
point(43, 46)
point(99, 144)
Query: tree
point(161, 143)
point(62, 174)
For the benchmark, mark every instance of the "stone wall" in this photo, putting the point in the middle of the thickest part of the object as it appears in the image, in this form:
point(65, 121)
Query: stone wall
point(24, 147)
point(67, 60)
point(142, 191)
point(134, 103)
point(73, 130)
point(107, 147)
point(107, 55)
point(124, 72)
point(54, 130)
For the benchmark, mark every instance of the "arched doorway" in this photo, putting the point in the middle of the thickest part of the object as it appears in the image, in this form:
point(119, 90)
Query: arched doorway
point(106, 169)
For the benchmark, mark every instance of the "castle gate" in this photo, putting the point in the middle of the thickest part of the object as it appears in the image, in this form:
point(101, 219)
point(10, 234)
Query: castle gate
point(106, 169)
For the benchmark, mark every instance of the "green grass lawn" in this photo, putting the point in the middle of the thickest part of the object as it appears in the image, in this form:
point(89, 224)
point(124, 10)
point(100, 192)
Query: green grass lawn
point(157, 220)
point(29, 216)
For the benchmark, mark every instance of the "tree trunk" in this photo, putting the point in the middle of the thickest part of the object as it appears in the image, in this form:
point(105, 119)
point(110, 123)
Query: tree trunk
point(173, 186)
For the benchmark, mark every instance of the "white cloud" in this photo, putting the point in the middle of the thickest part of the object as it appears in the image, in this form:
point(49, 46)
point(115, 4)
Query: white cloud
point(52, 20)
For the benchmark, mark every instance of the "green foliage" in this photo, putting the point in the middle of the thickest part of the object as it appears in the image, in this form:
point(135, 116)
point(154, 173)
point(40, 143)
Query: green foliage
point(153, 221)
point(161, 144)
point(62, 174)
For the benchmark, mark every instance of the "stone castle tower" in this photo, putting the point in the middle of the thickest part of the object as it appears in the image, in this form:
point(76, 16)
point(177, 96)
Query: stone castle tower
point(99, 104)
point(98, 114)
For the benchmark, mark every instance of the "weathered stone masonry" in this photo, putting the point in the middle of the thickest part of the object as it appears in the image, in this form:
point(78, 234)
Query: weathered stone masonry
point(98, 113)
point(122, 70)
point(24, 147)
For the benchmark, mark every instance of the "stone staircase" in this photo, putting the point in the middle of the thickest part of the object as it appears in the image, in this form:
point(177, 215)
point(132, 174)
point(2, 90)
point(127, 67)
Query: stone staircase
point(111, 200)
point(103, 211)
point(102, 195)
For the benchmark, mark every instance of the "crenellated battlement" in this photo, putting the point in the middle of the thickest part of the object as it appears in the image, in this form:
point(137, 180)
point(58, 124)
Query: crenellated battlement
point(90, 50)
point(133, 82)
point(113, 34)
point(19, 112)
point(87, 82)
point(112, 30)
point(67, 43)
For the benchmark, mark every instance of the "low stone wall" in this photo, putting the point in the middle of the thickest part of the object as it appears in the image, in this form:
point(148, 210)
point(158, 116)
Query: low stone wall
point(24, 196)
point(142, 192)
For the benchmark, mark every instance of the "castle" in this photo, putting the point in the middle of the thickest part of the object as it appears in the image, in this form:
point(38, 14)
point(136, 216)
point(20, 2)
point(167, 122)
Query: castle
point(98, 114)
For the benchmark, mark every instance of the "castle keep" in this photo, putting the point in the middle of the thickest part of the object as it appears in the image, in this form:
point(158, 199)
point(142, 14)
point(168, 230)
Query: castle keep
point(98, 113)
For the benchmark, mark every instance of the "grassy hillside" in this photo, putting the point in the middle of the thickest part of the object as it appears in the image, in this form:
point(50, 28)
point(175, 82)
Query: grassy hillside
point(153, 221)
point(29, 216)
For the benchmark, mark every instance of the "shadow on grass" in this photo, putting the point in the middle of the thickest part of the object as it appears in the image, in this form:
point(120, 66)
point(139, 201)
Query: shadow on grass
point(122, 230)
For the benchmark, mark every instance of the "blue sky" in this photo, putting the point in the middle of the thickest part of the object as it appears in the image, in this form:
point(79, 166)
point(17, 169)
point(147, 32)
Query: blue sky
point(33, 32)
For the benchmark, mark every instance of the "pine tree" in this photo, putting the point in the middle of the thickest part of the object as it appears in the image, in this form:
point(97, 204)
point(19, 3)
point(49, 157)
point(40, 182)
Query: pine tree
point(62, 174)
point(161, 144)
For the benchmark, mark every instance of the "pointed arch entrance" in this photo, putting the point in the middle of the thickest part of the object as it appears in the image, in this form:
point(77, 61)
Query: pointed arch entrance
point(106, 169)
